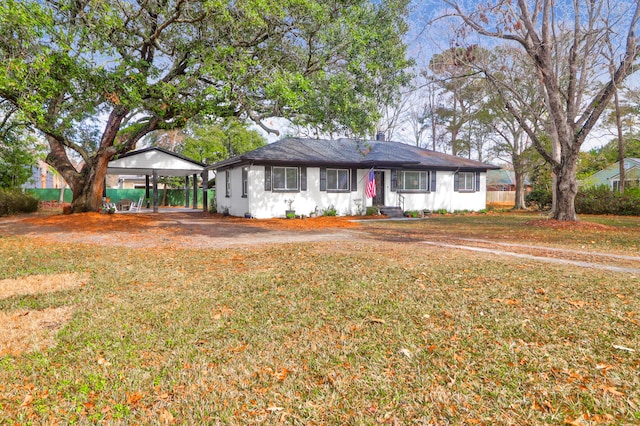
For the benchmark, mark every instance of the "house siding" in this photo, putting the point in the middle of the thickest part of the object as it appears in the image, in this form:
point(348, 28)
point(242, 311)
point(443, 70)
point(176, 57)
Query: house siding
point(263, 204)
point(444, 197)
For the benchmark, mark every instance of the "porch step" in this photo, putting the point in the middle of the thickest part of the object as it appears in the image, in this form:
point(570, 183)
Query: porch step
point(391, 211)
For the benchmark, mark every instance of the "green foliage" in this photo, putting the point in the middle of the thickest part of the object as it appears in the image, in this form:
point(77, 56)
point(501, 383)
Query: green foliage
point(608, 153)
point(211, 141)
point(372, 211)
point(539, 199)
point(592, 162)
point(330, 211)
point(601, 200)
point(18, 150)
point(412, 213)
point(15, 165)
point(149, 66)
point(14, 201)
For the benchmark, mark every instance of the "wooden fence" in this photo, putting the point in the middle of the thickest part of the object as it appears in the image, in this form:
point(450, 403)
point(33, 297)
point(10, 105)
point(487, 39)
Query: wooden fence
point(501, 197)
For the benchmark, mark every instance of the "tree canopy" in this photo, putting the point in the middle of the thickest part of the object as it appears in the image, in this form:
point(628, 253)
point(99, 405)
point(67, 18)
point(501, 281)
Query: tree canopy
point(125, 69)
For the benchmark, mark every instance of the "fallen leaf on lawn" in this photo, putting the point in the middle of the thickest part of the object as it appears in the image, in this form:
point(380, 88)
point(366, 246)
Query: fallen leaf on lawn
point(377, 320)
point(577, 303)
point(623, 348)
point(28, 399)
point(576, 422)
point(274, 409)
point(612, 390)
point(102, 361)
point(506, 301)
point(165, 417)
point(406, 352)
point(604, 368)
point(134, 398)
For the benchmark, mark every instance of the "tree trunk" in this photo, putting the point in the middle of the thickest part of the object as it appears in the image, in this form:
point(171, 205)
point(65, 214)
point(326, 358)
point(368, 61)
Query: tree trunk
point(566, 189)
point(519, 204)
point(88, 185)
point(621, 170)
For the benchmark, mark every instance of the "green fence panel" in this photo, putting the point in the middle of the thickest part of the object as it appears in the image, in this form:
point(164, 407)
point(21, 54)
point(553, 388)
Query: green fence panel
point(50, 194)
point(175, 197)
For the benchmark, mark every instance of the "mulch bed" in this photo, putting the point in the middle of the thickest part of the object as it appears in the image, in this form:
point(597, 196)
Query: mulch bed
point(96, 222)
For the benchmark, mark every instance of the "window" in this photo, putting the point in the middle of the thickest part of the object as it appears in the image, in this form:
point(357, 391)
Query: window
point(337, 179)
point(245, 186)
point(227, 184)
point(413, 181)
point(466, 181)
point(285, 178)
point(628, 183)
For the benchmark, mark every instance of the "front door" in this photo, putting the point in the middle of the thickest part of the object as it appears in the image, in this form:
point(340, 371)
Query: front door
point(378, 200)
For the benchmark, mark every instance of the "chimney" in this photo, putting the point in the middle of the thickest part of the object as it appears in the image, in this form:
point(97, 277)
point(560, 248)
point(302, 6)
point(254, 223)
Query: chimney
point(380, 136)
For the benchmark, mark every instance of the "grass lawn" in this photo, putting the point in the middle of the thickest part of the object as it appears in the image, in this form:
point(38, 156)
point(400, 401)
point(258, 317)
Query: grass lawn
point(379, 329)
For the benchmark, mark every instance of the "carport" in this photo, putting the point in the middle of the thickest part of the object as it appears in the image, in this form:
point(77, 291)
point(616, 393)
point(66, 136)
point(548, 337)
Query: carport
point(155, 162)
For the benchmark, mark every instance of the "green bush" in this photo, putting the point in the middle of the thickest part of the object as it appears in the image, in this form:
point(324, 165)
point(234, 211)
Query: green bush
point(14, 201)
point(540, 199)
point(372, 211)
point(601, 200)
point(329, 211)
point(412, 213)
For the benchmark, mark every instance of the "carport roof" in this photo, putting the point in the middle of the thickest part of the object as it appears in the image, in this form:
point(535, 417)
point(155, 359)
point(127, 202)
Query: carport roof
point(145, 161)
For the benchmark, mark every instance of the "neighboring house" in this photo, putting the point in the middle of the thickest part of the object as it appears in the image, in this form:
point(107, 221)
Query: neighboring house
point(131, 182)
point(610, 176)
point(503, 180)
point(320, 174)
point(43, 176)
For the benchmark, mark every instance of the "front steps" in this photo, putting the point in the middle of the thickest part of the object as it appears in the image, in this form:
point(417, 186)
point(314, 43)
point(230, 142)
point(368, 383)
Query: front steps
point(391, 211)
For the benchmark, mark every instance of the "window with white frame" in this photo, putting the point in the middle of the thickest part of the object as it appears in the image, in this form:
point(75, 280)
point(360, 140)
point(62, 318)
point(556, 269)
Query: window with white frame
point(337, 179)
point(466, 181)
point(245, 184)
point(285, 178)
point(417, 181)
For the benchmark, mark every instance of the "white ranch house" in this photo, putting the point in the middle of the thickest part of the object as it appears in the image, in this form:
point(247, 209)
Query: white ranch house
point(319, 174)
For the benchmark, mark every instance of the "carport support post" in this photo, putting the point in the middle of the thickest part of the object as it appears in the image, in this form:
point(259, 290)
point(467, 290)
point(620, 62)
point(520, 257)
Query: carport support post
point(155, 191)
point(186, 191)
point(195, 191)
point(205, 189)
point(146, 190)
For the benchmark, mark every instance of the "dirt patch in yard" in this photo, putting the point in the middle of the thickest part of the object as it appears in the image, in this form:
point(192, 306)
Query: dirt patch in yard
point(26, 331)
point(36, 284)
point(29, 330)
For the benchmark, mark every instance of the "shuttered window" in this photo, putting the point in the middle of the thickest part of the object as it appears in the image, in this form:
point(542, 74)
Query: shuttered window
point(415, 180)
point(337, 180)
point(466, 182)
point(284, 178)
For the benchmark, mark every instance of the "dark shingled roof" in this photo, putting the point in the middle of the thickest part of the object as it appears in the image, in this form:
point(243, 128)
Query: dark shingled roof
point(352, 153)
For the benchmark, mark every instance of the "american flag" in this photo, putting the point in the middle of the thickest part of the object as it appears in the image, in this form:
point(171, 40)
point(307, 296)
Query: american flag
point(370, 189)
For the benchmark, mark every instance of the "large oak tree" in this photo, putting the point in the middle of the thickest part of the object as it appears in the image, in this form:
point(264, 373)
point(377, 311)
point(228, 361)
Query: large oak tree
point(567, 44)
point(130, 67)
